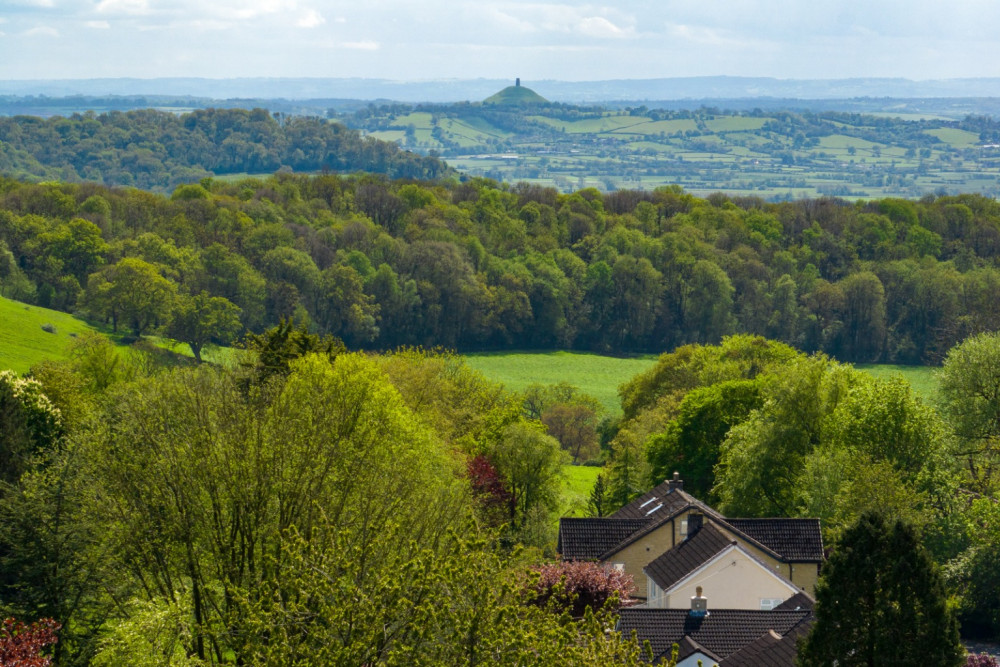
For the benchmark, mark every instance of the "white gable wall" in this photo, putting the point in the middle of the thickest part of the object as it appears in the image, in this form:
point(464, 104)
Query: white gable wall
point(731, 580)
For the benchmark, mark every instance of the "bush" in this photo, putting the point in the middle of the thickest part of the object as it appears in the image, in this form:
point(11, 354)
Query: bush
point(577, 585)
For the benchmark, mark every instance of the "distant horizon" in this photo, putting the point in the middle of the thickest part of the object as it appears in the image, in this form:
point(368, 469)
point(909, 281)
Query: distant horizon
point(451, 90)
point(511, 79)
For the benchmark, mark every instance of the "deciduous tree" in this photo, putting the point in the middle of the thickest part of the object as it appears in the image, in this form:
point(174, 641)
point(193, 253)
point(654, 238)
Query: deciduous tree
point(202, 319)
point(131, 291)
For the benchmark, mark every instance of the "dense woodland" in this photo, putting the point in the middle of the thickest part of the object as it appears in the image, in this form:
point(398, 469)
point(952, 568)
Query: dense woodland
point(159, 150)
point(479, 265)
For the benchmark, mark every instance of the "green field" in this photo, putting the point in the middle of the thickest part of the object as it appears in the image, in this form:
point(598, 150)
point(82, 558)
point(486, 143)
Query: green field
point(955, 137)
point(592, 374)
point(577, 483)
point(923, 379)
point(600, 376)
point(734, 124)
point(24, 343)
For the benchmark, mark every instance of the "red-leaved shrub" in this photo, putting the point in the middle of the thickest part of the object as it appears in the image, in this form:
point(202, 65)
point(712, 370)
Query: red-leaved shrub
point(21, 645)
point(577, 585)
point(488, 489)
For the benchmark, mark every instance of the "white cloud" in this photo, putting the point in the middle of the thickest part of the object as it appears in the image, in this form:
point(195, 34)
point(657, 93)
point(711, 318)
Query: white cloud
point(587, 21)
point(251, 9)
point(503, 19)
point(361, 46)
point(97, 25)
point(123, 6)
point(205, 24)
point(42, 31)
point(310, 19)
point(699, 35)
point(600, 27)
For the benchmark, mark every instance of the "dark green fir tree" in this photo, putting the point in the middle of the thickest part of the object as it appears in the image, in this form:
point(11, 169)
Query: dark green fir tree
point(881, 601)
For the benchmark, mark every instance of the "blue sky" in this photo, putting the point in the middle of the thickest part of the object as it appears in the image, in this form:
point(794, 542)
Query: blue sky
point(432, 39)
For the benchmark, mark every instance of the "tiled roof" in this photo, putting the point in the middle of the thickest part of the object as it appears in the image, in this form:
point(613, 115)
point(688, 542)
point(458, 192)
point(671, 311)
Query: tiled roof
point(793, 539)
point(722, 631)
point(771, 649)
point(601, 538)
point(589, 539)
point(687, 556)
point(650, 527)
point(658, 501)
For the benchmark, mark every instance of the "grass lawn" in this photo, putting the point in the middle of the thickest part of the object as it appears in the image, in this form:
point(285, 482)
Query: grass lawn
point(592, 374)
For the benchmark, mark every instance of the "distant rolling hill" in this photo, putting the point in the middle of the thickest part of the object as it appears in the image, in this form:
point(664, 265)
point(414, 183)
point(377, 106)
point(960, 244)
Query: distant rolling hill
point(158, 150)
point(772, 154)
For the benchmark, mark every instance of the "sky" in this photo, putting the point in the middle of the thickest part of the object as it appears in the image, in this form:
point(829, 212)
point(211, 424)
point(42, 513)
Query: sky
point(412, 40)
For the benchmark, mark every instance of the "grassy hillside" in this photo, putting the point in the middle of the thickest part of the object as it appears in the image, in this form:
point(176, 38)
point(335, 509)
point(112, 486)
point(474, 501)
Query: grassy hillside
point(24, 343)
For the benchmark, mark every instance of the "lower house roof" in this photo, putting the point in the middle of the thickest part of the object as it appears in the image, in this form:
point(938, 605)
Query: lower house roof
point(675, 564)
point(798, 602)
point(722, 632)
point(771, 649)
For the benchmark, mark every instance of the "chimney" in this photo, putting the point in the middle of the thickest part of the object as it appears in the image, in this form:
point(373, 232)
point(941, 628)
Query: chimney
point(699, 604)
point(694, 524)
point(676, 483)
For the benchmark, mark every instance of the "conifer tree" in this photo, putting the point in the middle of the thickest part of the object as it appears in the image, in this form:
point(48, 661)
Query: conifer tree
point(881, 601)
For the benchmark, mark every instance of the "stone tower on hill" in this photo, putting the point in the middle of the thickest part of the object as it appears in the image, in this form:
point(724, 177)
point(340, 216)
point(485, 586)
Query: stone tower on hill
point(516, 95)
